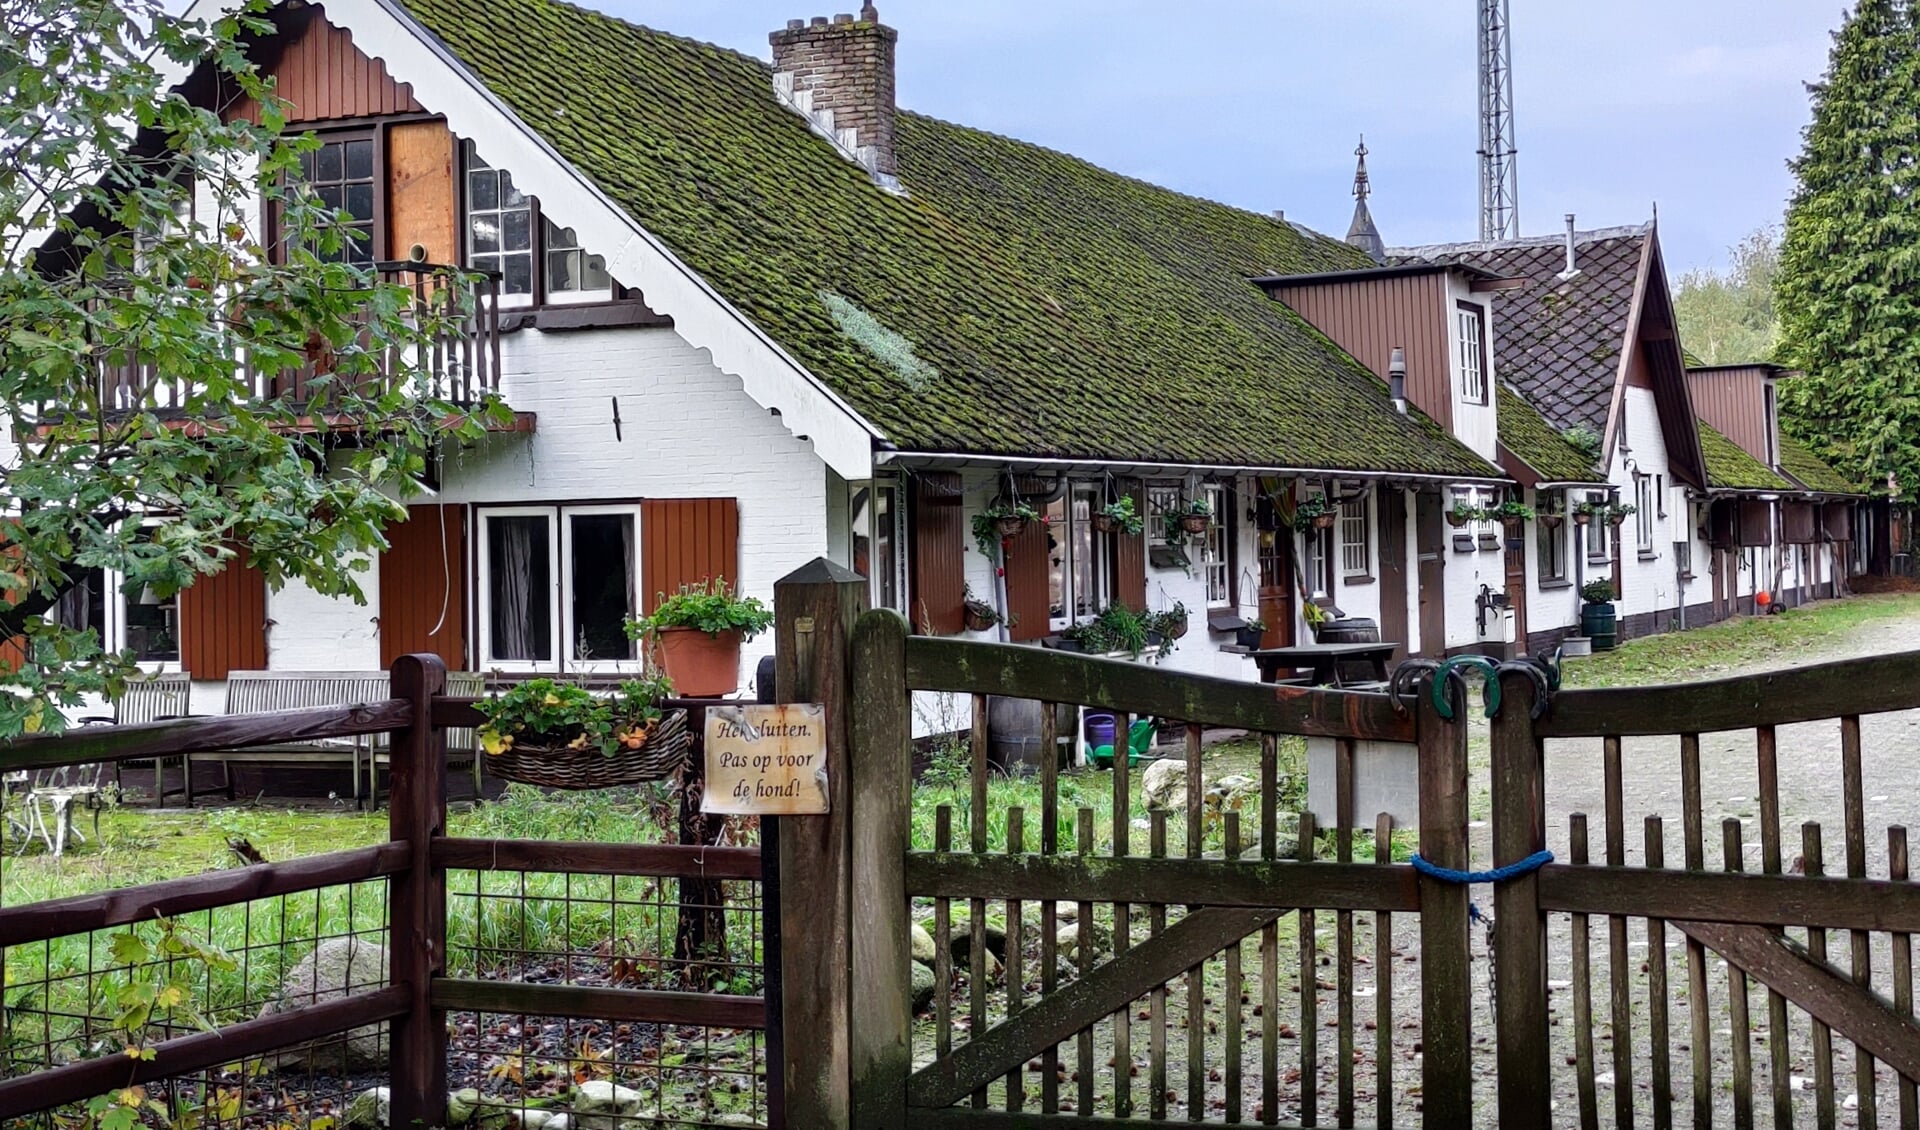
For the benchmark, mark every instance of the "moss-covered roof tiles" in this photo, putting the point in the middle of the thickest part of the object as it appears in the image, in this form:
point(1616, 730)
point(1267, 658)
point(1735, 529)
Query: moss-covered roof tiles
point(1729, 467)
point(1539, 445)
point(1813, 472)
point(1015, 302)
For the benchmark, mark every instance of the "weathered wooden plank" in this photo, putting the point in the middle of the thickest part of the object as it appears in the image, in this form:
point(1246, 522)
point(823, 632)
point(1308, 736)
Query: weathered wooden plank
point(977, 980)
point(1619, 988)
point(1122, 913)
point(1157, 999)
point(879, 749)
point(1866, 1094)
point(58, 918)
point(1309, 982)
point(596, 1002)
point(1196, 978)
point(942, 942)
point(1659, 1037)
point(1287, 885)
point(1776, 698)
point(1520, 927)
point(1700, 1031)
point(688, 861)
point(1758, 900)
point(1343, 938)
point(1233, 988)
point(1016, 977)
point(1779, 1038)
point(1816, 986)
point(959, 1118)
point(1083, 1049)
point(417, 900)
point(1111, 985)
point(1902, 947)
point(1739, 1023)
point(963, 667)
point(141, 740)
point(1383, 1057)
point(1811, 854)
point(80, 1081)
point(1446, 1068)
point(1579, 950)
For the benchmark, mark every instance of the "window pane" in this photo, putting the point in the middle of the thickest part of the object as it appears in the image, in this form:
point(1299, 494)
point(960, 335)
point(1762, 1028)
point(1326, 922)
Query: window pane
point(519, 272)
point(516, 230)
point(486, 263)
point(1086, 589)
point(556, 236)
point(1353, 538)
point(510, 196)
point(327, 163)
point(153, 627)
point(880, 560)
point(360, 160)
point(1219, 578)
point(483, 190)
point(360, 201)
point(519, 588)
point(594, 275)
point(603, 585)
point(486, 234)
point(560, 271)
point(82, 607)
point(330, 196)
point(1057, 543)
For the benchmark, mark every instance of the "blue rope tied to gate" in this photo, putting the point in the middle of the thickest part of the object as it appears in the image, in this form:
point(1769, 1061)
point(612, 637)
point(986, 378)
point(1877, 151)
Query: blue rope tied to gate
point(1525, 866)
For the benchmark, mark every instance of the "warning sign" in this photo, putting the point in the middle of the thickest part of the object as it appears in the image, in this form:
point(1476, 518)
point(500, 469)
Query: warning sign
point(766, 760)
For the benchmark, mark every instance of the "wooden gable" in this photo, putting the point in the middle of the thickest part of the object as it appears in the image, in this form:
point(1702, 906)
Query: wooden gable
point(322, 76)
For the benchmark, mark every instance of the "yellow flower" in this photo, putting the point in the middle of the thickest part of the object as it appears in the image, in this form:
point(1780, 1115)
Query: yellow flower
point(495, 742)
point(578, 743)
point(552, 699)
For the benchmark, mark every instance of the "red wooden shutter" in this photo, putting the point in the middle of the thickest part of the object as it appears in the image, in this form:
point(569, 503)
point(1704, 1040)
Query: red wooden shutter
point(687, 541)
point(938, 601)
point(223, 621)
point(1130, 554)
point(423, 586)
point(1029, 597)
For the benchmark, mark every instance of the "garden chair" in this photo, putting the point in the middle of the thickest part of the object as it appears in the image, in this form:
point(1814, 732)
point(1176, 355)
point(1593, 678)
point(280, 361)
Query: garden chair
point(58, 792)
point(152, 699)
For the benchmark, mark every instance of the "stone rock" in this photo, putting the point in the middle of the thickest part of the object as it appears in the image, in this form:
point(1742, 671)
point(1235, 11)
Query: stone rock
point(1066, 912)
point(923, 985)
point(557, 1122)
point(601, 1105)
point(1164, 784)
point(1066, 939)
point(369, 1110)
point(537, 1119)
point(737, 1118)
point(461, 1105)
point(336, 967)
point(962, 936)
point(922, 942)
point(963, 954)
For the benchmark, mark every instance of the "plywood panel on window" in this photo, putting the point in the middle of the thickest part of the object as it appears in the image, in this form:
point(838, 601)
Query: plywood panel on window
point(420, 206)
point(687, 541)
point(423, 586)
point(939, 549)
point(223, 621)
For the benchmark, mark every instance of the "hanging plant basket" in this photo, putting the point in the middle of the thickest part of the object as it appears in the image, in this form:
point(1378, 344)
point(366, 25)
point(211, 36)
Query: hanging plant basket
point(1618, 519)
point(1176, 627)
point(556, 766)
point(1010, 527)
point(1458, 521)
point(1105, 523)
point(1582, 519)
point(1323, 521)
point(980, 616)
point(1552, 521)
point(1195, 523)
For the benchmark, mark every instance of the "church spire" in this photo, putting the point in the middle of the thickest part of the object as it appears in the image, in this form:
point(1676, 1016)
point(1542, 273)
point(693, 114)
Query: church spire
point(1362, 233)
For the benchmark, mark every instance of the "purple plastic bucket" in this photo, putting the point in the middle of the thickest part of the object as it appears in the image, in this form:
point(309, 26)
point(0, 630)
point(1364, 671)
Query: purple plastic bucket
point(1100, 730)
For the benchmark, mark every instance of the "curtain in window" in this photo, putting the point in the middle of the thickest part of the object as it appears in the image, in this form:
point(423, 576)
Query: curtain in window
point(518, 548)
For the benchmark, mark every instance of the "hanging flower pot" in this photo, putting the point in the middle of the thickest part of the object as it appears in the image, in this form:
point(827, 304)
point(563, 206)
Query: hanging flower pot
point(1323, 521)
point(980, 616)
point(1582, 518)
point(1458, 518)
point(1105, 523)
point(1195, 523)
point(1010, 527)
point(1552, 521)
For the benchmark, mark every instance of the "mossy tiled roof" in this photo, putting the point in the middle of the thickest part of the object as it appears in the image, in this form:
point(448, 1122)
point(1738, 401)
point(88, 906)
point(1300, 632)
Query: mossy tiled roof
point(1729, 467)
point(1538, 444)
point(1016, 302)
point(1813, 472)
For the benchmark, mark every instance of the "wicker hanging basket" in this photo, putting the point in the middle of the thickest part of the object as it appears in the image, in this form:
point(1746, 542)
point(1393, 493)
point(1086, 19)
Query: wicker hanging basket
point(559, 767)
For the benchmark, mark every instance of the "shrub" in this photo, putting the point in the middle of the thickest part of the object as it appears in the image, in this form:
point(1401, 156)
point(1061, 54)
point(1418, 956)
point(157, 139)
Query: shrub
point(1598, 591)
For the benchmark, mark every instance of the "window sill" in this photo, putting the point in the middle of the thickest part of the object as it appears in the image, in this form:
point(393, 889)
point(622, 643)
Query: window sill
point(1649, 555)
point(1555, 585)
point(1356, 581)
point(626, 312)
point(1464, 543)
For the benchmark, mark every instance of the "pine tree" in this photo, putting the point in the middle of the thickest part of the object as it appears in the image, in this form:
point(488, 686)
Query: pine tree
point(1848, 289)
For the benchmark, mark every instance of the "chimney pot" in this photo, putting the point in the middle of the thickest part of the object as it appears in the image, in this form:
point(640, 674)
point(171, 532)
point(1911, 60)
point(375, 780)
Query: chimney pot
point(819, 21)
point(869, 14)
point(796, 25)
point(1573, 265)
point(843, 18)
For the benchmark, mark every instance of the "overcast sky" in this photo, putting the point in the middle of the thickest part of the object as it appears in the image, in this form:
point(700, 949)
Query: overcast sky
point(1695, 104)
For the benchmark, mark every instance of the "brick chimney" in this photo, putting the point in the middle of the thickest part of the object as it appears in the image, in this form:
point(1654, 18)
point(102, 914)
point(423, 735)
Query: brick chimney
point(839, 74)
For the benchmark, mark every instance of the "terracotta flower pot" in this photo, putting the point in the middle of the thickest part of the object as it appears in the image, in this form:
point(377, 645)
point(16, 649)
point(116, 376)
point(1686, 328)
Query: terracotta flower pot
point(1195, 523)
point(1323, 521)
point(700, 665)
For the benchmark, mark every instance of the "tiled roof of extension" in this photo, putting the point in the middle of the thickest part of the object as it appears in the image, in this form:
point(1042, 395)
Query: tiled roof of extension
point(1558, 340)
point(1813, 472)
point(1016, 302)
point(1729, 467)
point(1538, 444)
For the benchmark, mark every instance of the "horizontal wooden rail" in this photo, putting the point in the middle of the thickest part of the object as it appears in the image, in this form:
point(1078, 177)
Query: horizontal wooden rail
point(57, 918)
point(678, 861)
point(965, 667)
point(1873, 685)
point(594, 1002)
point(459, 713)
point(1720, 896)
point(964, 1118)
point(86, 745)
point(1200, 882)
point(78, 1082)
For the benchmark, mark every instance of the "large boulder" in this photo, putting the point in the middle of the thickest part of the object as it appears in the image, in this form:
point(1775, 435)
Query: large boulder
point(601, 1105)
point(922, 943)
point(371, 1109)
point(335, 968)
point(1164, 784)
point(923, 986)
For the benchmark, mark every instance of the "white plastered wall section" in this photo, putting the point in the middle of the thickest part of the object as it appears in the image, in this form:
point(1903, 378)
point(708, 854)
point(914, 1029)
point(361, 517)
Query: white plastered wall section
point(1648, 582)
point(1475, 423)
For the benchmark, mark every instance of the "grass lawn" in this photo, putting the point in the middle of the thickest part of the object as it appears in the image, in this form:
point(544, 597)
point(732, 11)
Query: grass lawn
point(1706, 653)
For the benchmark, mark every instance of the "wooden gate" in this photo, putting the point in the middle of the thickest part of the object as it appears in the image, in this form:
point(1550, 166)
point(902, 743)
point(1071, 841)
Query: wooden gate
point(1214, 972)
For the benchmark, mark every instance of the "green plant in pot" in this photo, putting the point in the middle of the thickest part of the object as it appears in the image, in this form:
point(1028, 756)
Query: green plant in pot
point(1172, 623)
point(1250, 633)
point(1316, 512)
point(1195, 516)
point(562, 735)
point(1464, 513)
point(1619, 514)
point(981, 616)
point(1598, 620)
point(698, 632)
point(1117, 629)
point(1001, 521)
point(1513, 511)
point(1119, 517)
point(1583, 513)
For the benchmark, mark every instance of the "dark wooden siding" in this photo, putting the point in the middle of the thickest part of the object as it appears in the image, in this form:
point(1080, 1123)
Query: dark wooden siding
point(1756, 522)
point(423, 586)
point(1130, 554)
point(939, 549)
point(1723, 523)
point(1029, 605)
point(1368, 318)
point(323, 77)
point(1732, 401)
point(687, 541)
point(1797, 523)
point(223, 621)
point(1836, 519)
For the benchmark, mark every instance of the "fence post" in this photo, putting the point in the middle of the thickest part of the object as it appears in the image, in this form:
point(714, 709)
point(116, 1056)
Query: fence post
point(1519, 925)
point(1446, 979)
point(815, 608)
point(881, 1033)
point(417, 899)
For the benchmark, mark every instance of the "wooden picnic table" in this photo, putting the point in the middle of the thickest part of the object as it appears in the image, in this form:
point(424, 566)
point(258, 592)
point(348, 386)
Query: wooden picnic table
point(1325, 659)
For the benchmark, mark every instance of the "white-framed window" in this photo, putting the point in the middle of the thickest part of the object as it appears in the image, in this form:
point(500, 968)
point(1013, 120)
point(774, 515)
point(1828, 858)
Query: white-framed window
point(499, 227)
point(1078, 572)
point(1216, 556)
point(1599, 531)
point(1163, 500)
point(1772, 422)
point(879, 519)
point(144, 622)
point(1356, 550)
point(1644, 507)
point(557, 585)
point(1470, 345)
point(1551, 537)
point(1316, 559)
point(573, 275)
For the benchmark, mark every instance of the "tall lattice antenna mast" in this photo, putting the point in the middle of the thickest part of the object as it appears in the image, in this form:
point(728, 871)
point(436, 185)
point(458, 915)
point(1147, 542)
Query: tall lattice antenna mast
point(1499, 180)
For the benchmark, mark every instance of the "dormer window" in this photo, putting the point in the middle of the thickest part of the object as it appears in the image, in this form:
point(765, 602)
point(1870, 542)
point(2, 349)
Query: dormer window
point(1771, 425)
point(538, 261)
point(1470, 344)
point(571, 272)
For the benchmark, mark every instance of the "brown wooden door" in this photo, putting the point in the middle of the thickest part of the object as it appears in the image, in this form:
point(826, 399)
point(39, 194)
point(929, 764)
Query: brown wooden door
point(1392, 507)
point(1517, 584)
point(423, 585)
point(1276, 595)
point(1430, 538)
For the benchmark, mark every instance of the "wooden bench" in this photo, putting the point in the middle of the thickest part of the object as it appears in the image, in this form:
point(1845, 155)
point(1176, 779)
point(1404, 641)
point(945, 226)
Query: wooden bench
point(256, 692)
point(463, 743)
point(166, 694)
